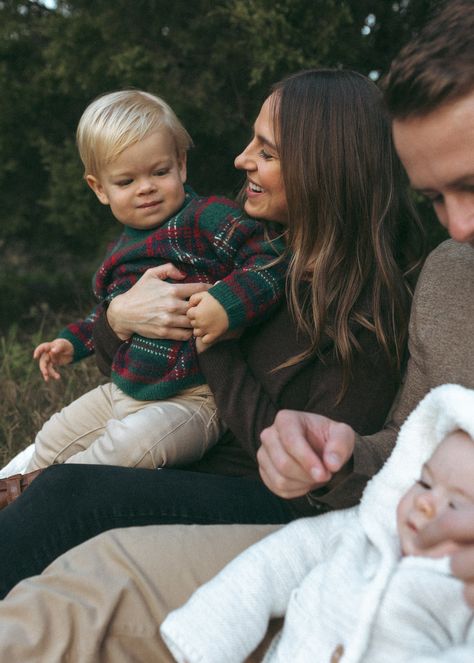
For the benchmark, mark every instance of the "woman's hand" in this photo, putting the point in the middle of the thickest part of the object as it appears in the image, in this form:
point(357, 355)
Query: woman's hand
point(154, 308)
point(302, 451)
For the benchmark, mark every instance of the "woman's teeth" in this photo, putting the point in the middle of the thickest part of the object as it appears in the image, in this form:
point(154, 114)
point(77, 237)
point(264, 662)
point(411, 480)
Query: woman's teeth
point(255, 188)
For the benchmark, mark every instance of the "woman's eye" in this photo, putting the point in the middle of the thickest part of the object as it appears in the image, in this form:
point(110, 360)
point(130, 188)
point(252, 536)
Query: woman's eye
point(265, 155)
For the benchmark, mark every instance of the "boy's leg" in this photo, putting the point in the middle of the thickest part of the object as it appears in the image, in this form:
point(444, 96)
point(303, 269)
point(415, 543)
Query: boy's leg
point(169, 432)
point(79, 423)
point(106, 599)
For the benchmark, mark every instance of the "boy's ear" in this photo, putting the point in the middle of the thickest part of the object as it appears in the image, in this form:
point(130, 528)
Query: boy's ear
point(182, 163)
point(97, 188)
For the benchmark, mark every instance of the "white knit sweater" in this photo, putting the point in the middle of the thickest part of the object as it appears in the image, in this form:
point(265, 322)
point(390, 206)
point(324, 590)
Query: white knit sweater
point(339, 578)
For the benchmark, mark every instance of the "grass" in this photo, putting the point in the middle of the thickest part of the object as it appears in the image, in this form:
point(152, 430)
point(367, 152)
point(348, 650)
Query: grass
point(26, 401)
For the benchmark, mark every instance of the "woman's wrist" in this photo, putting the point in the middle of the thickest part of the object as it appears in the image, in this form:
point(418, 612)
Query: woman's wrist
point(114, 318)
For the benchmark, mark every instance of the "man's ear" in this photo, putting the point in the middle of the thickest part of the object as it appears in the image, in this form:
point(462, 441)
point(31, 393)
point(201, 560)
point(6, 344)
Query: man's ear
point(97, 188)
point(182, 164)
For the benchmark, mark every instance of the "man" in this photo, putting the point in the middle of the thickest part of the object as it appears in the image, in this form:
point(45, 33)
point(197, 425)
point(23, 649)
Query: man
point(104, 600)
point(430, 94)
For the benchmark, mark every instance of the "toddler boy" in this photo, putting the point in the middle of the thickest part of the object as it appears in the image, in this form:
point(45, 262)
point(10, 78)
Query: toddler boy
point(156, 410)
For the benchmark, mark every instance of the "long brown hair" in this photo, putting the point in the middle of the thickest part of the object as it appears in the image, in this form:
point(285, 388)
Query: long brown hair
point(351, 224)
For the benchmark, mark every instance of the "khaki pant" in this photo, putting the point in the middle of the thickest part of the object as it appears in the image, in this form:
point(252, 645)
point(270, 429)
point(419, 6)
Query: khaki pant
point(107, 427)
point(104, 601)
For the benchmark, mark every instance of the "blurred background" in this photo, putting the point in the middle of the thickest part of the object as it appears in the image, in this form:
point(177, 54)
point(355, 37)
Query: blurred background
point(213, 61)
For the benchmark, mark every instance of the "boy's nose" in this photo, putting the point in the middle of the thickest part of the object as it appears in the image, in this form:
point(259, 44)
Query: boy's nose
point(146, 185)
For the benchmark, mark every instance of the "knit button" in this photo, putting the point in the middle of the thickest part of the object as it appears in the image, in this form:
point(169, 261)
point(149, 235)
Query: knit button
point(337, 654)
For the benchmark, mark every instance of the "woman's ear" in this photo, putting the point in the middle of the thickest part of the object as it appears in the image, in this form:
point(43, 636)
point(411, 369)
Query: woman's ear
point(182, 165)
point(97, 188)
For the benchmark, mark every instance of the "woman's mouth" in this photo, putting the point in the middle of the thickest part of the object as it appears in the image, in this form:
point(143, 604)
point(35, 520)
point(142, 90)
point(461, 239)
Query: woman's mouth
point(254, 188)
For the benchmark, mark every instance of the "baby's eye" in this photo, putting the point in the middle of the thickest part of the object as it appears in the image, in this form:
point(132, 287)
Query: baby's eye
point(423, 484)
point(124, 182)
point(161, 172)
point(452, 505)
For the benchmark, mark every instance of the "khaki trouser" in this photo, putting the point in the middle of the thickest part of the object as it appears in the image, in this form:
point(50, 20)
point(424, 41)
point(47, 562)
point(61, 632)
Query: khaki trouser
point(107, 427)
point(104, 601)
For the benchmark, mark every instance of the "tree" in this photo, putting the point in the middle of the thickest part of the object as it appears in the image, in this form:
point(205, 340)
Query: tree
point(213, 61)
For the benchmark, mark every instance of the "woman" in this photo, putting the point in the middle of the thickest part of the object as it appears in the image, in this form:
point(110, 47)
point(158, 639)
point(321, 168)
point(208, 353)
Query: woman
point(322, 161)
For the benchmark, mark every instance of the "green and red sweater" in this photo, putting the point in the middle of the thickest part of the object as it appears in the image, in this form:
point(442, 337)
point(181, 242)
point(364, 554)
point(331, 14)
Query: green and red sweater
point(210, 240)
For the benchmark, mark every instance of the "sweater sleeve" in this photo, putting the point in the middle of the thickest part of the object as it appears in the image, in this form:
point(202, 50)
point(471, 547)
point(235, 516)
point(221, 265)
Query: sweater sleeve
point(106, 343)
point(80, 334)
point(227, 618)
point(248, 404)
point(243, 402)
point(257, 282)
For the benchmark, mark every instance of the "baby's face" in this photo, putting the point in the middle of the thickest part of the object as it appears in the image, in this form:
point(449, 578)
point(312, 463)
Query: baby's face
point(446, 483)
point(144, 186)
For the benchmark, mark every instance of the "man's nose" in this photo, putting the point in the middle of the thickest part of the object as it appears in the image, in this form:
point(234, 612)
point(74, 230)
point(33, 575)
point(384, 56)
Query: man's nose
point(460, 217)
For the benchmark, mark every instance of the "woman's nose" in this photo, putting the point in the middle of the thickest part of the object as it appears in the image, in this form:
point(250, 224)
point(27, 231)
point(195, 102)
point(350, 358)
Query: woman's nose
point(244, 160)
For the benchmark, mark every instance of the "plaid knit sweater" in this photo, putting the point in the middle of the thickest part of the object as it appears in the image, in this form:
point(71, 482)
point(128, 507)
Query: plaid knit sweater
point(209, 240)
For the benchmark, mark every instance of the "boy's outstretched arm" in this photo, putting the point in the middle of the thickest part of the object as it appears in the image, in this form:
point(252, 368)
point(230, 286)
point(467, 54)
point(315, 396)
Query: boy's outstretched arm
point(51, 354)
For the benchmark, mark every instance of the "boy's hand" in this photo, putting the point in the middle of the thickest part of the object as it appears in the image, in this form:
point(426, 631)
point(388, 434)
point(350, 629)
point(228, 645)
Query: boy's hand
point(54, 353)
point(208, 318)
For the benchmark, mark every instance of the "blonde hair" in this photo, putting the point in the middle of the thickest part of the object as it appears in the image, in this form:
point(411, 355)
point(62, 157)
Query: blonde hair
point(116, 120)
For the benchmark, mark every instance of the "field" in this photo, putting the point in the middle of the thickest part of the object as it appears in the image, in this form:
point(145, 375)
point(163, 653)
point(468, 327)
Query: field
point(26, 401)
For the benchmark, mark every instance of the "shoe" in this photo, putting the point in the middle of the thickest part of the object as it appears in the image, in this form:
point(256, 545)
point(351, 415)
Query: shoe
point(12, 487)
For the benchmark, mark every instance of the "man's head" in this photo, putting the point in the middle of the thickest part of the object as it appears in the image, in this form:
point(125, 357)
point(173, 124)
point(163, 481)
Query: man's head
point(430, 94)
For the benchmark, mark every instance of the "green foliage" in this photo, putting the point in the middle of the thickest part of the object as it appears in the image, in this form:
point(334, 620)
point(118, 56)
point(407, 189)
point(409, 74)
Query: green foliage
point(213, 61)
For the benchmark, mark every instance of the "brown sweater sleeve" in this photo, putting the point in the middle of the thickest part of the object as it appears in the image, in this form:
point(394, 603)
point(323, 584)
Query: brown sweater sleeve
point(106, 343)
point(249, 388)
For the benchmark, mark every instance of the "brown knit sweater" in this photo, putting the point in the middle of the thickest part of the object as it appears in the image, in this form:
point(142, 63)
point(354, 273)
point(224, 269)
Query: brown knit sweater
point(249, 392)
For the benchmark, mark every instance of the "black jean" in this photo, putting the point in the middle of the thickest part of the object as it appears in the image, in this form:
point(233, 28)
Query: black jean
point(68, 504)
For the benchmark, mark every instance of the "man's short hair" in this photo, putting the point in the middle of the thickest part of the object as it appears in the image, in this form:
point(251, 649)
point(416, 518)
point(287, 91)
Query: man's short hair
point(117, 120)
point(436, 66)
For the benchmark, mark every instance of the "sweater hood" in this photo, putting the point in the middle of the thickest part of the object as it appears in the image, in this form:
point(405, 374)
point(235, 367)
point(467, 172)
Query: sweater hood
point(443, 410)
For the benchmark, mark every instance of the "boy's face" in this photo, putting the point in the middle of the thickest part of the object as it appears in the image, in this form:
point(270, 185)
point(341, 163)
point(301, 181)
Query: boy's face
point(445, 484)
point(144, 186)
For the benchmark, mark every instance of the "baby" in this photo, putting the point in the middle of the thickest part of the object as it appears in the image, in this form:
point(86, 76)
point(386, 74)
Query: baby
point(156, 410)
point(353, 585)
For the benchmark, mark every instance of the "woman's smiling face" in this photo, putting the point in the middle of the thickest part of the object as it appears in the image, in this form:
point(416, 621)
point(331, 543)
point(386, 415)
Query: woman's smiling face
point(265, 193)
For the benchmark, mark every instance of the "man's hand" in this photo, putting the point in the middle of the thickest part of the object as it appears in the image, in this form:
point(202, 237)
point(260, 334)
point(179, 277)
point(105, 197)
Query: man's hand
point(154, 308)
point(51, 354)
point(457, 526)
point(208, 317)
point(301, 451)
